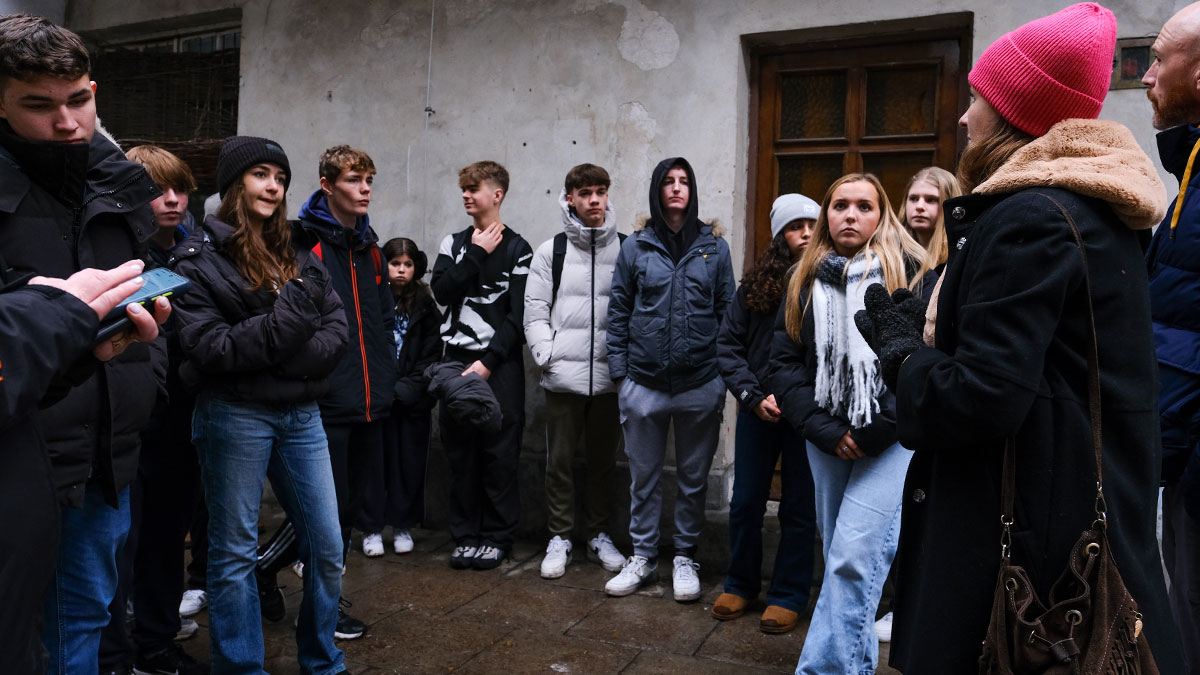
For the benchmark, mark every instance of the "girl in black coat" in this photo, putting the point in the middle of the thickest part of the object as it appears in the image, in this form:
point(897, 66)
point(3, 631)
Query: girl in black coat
point(397, 488)
point(260, 329)
point(829, 386)
point(764, 438)
point(1009, 358)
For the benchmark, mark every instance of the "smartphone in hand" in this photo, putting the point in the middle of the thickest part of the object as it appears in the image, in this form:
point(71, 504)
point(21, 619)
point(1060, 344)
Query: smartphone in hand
point(160, 283)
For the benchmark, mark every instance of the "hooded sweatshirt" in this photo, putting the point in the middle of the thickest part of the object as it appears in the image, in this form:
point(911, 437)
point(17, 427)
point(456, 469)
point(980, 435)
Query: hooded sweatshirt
point(361, 386)
point(566, 334)
point(664, 313)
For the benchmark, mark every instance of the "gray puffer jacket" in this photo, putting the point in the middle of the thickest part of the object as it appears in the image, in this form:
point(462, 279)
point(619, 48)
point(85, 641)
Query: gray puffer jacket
point(566, 335)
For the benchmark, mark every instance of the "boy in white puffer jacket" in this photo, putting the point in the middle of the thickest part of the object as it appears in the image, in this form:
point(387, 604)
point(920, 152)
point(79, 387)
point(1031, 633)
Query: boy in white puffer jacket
point(566, 320)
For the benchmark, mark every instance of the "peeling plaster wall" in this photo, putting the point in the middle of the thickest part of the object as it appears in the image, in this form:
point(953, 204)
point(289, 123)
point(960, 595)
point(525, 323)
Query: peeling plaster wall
point(540, 87)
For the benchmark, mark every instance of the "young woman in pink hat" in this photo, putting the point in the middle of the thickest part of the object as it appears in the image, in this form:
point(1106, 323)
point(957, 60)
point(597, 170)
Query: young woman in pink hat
point(1009, 352)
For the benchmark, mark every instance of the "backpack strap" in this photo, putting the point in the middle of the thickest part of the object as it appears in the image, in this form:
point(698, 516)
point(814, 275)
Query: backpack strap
point(317, 252)
point(556, 264)
point(377, 261)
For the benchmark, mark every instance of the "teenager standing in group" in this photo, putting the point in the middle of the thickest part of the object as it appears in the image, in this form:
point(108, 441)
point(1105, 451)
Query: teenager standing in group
point(763, 437)
point(261, 330)
point(566, 317)
point(671, 285)
point(829, 386)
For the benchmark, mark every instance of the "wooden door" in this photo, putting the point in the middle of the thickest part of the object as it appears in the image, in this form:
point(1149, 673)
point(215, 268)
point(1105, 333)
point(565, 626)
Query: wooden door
point(825, 110)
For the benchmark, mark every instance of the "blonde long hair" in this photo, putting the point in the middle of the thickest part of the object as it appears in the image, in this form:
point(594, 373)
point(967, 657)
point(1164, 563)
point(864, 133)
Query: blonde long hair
point(891, 243)
point(948, 188)
point(264, 257)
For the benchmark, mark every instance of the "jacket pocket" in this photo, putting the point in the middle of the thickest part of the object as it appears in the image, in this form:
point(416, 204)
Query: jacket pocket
point(646, 333)
point(701, 340)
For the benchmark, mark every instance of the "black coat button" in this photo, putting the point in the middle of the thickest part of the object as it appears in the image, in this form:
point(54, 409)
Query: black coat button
point(959, 213)
point(918, 495)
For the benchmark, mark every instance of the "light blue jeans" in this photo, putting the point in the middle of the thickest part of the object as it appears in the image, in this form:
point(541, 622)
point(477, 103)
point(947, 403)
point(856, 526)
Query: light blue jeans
point(85, 581)
point(240, 445)
point(858, 515)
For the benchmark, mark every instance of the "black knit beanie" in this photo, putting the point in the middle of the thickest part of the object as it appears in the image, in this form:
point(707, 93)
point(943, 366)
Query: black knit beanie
point(239, 153)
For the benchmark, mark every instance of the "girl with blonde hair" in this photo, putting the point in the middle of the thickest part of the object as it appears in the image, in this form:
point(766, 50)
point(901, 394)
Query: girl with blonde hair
point(829, 387)
point(921, 211)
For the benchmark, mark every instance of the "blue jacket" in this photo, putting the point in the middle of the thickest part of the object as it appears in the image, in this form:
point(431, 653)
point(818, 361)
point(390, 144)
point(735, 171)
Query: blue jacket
point(663, 315)
point(1173, 267)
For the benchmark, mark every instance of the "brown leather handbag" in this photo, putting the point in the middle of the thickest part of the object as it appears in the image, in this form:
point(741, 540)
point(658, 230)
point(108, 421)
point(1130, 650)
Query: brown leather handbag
point(1091, 624)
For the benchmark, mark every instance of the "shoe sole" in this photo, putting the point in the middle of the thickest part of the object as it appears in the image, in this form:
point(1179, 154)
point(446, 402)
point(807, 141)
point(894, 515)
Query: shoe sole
point(690, 597)
point(373, 554)
point(485, 565)
point(462, 563)
point(348, 636)
point(620, 593)
point(777, 630)
point(726, 617)
point(595, 557)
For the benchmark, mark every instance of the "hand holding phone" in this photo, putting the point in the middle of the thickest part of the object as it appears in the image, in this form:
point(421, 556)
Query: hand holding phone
point(159, 283)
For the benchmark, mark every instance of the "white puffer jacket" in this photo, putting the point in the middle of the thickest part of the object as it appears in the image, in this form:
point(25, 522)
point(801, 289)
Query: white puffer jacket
point(568, 341)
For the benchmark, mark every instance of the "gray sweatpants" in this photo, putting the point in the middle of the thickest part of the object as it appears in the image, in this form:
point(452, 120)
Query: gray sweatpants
point(646, 414)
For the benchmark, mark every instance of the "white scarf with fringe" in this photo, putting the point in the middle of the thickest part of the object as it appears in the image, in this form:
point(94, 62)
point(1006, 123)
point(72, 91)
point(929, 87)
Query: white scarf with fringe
point(848, 382)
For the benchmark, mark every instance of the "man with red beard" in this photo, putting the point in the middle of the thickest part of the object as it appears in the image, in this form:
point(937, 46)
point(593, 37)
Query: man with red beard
point(1173, 262)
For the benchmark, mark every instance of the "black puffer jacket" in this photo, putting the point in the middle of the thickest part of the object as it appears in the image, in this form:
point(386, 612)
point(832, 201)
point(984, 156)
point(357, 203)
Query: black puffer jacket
point(360, 387)
point(468, 399)
point(251, 345)
point(91, 418)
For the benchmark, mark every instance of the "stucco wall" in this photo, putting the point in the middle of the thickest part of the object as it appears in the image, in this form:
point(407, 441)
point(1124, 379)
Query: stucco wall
point(539, 87)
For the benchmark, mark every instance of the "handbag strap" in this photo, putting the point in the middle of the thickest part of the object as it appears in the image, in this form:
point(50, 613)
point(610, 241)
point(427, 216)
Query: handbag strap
point(1093, 377)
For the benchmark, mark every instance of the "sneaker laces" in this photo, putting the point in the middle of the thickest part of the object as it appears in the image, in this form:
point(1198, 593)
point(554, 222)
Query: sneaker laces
point(636, 565)
point(486, 551)
point(342, 604)
point(557, 545)
point(686, 568)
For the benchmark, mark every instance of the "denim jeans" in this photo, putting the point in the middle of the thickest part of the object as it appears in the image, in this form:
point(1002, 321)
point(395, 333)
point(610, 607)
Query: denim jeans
point(240, 445)
point(858, 514)
point(85, 580)
point(758, 445)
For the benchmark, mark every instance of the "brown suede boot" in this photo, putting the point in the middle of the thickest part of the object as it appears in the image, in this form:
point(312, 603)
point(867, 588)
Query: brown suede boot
point(729, 606)
point(776, 619)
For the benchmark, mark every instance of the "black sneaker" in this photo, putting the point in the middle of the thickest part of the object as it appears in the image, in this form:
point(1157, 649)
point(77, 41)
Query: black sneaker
point(488, 558)
point(170, 661)
point(463, 556)
point(270, 598)
point(348, 627)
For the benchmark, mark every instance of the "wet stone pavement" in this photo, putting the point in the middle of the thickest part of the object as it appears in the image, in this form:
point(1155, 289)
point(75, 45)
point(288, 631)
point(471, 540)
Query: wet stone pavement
point(425, 617)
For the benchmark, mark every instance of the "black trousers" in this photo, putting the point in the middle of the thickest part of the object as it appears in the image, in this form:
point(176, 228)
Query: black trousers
point(394, 490)
point(163, 500)
point(485, 504)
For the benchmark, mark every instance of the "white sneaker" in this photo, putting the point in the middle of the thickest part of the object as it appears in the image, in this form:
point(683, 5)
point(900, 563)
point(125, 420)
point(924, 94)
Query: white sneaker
point(686, 583)
point(193, 601)
point(187, 629)
point(602, 550)
point(373, 545)
point(402, 541)
point(637, 572)
point(558, 554)
point(883, 628)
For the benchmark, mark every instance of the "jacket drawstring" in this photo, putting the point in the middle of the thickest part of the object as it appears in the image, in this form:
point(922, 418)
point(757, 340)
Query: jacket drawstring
point(1183, 186)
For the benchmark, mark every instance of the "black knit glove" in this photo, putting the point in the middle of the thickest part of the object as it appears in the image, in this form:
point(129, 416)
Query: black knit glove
point(314, 280)
point(889, 330)
point(912, 307)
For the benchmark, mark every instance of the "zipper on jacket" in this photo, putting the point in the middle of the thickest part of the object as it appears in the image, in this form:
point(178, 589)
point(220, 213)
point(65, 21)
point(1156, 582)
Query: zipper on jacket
point(592, 333)
point(362, 346)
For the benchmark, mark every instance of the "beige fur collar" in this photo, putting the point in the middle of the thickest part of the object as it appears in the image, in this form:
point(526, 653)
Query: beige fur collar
point(1094, 158)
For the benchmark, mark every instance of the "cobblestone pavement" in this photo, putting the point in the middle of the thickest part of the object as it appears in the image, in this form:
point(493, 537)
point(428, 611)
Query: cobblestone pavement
point(427, 618)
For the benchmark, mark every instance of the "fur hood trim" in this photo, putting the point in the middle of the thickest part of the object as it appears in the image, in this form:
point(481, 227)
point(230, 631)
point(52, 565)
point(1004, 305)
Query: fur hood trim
point(1094, 158)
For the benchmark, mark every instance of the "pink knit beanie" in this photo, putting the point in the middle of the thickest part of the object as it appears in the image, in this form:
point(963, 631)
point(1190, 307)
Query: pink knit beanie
point(1055, 68)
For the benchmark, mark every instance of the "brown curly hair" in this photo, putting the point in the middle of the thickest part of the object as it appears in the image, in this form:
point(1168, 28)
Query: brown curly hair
point(765, 281)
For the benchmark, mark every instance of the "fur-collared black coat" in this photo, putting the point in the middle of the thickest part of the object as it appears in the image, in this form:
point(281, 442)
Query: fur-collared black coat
point(1010, 360)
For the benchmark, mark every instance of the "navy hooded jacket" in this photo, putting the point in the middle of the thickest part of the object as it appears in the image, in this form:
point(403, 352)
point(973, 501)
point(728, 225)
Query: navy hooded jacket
point(1173, 266)
point(663, 315)
point(361, 386)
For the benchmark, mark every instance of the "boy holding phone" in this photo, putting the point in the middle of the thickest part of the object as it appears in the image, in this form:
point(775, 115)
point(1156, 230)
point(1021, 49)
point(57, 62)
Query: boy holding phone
point(90, 416)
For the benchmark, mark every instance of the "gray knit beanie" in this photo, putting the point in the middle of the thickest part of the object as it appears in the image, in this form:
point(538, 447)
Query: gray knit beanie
point(239, 153)
point(791, 207)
